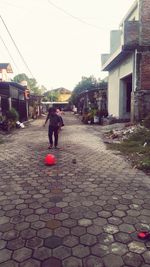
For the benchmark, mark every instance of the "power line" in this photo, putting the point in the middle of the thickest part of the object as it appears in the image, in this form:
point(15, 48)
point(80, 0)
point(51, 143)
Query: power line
point(9, 52)
point(17, 47)
point(74, 17)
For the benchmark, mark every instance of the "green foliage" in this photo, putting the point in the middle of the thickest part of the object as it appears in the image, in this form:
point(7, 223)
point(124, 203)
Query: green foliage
point(86, 84)
point(51, 96)
point(32, 84)
point(137, 148)
point(12, 115)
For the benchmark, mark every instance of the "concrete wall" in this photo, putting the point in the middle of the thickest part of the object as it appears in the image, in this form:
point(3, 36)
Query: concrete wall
point(115, 87)
point(115, 40)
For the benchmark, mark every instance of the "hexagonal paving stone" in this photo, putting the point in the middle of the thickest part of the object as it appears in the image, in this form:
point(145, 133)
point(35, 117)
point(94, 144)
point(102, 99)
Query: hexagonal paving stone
point(61, 216)
point(62, 252)
point(22, 254)
point(5, 255)
point(2, 244)
point(92, 261)
point(55, 199)
point(132, 259)
point(16, 243)
point(88, 239)
point(105, 238)
point(32, 218)
point(122, 237)
point(90, 214)
point(17, 219)
point(51, 262)
point(118, 248)
point(42, 253)
point(113, 261)
point(127, 228)
point(100, 221)
point(26, 211)
point(38, 225)
point(111, 229)
point(130, 220)
point(53, 242)
point(115, 220)
point(80, 251)
point(54, 210)
point(4, 219)
point(21, 226)
point(78, 230)
point(100, 250)
point(104, 214)
point(72, 262)
point(44, 232)
point(137, 247)
point(61, 231)
point(71, 240)
point(28, 233)
point(84, 222)
point(10, 263)
point(94, 229)
point(69, 223)
point(30, 263)
point(12, 234)
point(146, 256)
point(53, 224)
point(109, 207)
point(34, 242)
point(6, 227)
point(119, 213)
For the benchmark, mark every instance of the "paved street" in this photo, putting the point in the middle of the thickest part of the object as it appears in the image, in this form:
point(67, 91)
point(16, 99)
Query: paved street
point(85, 211)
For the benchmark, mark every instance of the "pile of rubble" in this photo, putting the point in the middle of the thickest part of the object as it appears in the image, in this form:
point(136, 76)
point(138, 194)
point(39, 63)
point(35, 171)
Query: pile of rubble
point(120, 134)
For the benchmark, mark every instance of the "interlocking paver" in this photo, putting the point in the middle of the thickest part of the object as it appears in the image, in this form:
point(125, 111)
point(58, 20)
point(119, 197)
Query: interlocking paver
point(22, 254)
point(42, 253)
point(84, 211)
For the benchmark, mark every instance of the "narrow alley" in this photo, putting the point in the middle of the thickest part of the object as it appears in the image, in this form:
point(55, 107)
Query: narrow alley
point(85, 211)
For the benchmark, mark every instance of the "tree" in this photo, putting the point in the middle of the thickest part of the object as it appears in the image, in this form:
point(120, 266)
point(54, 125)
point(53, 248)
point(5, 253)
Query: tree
point(51, 96)
point(86, 84)
point(32, 83)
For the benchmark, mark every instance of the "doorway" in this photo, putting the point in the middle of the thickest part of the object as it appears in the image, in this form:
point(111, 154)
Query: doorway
point(125, 97)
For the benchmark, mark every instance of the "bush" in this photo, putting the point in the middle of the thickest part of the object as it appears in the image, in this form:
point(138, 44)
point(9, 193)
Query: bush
point(12, 115)
point(146, 122)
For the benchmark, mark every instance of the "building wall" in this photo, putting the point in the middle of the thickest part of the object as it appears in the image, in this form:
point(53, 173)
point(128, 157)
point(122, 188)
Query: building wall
point(115, 94)
point(64, 97)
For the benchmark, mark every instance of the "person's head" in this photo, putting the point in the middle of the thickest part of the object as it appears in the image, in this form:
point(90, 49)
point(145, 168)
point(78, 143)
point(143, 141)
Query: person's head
point(52, 111)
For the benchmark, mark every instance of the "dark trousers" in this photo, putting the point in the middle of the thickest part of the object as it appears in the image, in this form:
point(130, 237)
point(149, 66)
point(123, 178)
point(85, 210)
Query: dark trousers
point(53, 130)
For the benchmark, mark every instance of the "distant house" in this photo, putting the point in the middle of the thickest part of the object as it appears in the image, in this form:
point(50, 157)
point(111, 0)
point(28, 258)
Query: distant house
point(5, 70)
point(128, 64)
point(63, 94)
point(59, 98)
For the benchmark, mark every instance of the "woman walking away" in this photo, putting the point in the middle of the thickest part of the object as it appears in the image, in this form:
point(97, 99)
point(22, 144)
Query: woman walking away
point(54, 124)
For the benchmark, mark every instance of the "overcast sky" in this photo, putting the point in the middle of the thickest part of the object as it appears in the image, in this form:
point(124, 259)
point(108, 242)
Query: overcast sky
point(59, 48)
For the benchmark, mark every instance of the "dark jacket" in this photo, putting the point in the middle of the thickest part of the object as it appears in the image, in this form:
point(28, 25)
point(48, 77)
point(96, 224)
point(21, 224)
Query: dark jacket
point(54, 120)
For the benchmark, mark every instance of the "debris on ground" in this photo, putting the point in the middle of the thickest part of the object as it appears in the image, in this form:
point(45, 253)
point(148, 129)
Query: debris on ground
point(118, 135)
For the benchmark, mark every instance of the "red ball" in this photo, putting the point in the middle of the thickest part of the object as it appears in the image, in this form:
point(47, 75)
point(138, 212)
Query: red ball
point(143, 235)
point(50, 159)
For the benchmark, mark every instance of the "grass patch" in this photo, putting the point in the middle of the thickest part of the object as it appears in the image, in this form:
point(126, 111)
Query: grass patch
point(136, 147)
